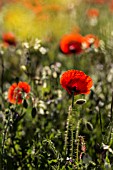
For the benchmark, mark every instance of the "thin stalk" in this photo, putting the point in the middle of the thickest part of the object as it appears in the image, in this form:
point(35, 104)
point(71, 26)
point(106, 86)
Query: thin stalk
point(2, 72)
point(72, 99)
point(3, 141)
point(67, 130)
point(2, 80)
point(72, 140)
point(76, 61)
point(100, 118)
point(111, 117)
point(72, 136)
point(77, 140)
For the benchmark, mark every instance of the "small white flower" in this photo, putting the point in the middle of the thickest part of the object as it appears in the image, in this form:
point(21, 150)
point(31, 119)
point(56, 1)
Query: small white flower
point(43, 50)
point(36, 46)
point(25, 44)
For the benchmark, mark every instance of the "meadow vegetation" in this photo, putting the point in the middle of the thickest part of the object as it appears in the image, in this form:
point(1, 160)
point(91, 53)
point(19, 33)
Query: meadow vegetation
point(56, 85)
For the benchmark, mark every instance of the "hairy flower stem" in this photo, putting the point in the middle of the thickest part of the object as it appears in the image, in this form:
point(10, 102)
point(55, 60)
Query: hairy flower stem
point(3, 140)
point(71, 128)
point(67, 129)
point(77, 140)
point(72, 140)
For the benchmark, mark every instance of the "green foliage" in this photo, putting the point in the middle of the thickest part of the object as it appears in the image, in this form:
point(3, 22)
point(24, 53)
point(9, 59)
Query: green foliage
point(45, 132)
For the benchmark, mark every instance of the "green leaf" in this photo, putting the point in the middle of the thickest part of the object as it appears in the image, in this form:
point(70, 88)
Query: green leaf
point(33, 112)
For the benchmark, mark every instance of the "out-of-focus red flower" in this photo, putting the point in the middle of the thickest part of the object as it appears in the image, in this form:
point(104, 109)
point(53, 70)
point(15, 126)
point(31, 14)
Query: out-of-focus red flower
point(91, 40)
point(93, 12)
point(9, 39)
point(17, 91)
point(71, 43)
point(111, 6)
point(75, 81)
point(35, 6)
point(102, 1)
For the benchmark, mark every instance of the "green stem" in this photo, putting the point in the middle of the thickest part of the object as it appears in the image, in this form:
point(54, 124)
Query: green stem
point(111, 108)
point(72, 139)
point(4, 139)
point(100, 123)
point(72, 99)
point(76, 62)
point(67, 130)
point(77, 140)
point(2, 73)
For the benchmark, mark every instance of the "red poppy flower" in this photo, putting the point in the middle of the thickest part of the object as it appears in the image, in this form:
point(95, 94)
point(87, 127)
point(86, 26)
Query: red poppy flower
point(111, 6)
point(71, 43)
point(93, 12)
point(9, 39)
point(90, 40)
point(16, 92)
point(76, 81)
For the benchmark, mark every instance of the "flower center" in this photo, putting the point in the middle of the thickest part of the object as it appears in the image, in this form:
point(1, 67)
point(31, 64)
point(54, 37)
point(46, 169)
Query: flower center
point(73, 90)
point(75, 47)
point(17, 95)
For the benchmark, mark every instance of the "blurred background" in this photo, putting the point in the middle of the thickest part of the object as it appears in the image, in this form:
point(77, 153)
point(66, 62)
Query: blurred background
point(29, 19)
point(37, 18)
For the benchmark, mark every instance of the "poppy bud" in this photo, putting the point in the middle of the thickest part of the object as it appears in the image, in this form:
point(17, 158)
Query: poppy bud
point(80, 101)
